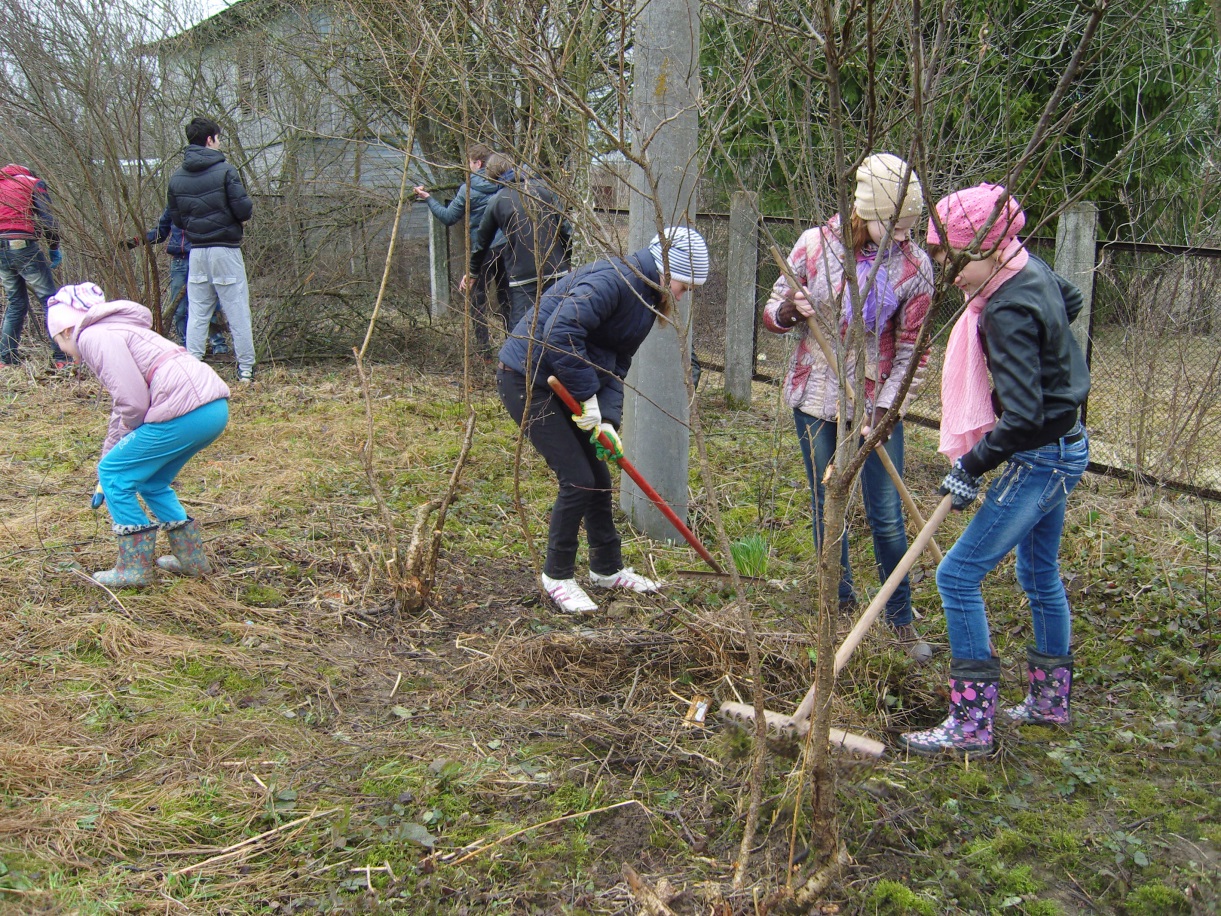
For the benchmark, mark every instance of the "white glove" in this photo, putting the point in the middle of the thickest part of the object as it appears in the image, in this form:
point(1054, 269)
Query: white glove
point(590, 416)
point(605, 429)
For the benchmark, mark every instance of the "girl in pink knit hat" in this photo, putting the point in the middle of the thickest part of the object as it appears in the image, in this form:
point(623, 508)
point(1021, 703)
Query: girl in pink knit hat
point(1015, 328)
point(887, 203)
point(166, 407)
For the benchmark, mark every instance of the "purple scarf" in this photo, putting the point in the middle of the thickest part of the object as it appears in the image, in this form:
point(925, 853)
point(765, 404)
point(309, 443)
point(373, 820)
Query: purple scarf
point(881, 303)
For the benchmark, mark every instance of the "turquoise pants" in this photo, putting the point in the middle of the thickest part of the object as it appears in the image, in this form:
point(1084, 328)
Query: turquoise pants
point(145, 462)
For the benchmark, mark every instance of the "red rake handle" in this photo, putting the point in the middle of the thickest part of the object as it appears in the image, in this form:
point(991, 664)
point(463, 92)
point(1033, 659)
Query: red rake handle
point(630, 469)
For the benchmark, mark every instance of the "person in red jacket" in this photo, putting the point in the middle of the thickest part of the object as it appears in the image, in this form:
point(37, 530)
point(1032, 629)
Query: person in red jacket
point(25, 219)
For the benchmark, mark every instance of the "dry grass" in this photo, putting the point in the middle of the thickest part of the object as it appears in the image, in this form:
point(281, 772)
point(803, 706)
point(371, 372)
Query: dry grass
point(149, 732)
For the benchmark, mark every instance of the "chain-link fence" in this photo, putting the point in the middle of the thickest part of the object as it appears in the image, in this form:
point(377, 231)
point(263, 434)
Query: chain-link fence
point(1154, 411)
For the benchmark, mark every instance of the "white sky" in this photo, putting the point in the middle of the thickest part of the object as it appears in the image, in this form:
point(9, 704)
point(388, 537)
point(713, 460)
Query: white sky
point(202, 9)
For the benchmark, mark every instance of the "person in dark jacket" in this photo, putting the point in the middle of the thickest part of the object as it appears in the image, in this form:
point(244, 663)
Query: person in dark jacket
point(537, 235)
point(585, 331)
point(482, 190)
point(1016, 327)
point(25, 219)
point(208, 202)
point(179, 250)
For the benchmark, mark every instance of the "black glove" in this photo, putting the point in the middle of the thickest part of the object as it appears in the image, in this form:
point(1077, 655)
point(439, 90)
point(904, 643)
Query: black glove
point(961, 485)
point(134, 242)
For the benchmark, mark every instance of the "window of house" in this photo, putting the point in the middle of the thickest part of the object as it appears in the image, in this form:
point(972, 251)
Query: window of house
point(253, 81)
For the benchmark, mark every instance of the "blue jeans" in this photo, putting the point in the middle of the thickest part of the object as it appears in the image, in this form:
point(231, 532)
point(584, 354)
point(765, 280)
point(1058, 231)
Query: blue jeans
point(1023, 509)
point(883, 508)
point(22, 270)
point(145, 462)
point(180, 270)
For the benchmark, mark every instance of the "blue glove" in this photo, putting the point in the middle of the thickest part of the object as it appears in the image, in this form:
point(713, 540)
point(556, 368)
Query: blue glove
point(98, 498)
point(960, 485)
point(57, 257)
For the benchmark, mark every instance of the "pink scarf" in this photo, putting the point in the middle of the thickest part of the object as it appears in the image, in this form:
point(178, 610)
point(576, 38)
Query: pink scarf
point(966, 395)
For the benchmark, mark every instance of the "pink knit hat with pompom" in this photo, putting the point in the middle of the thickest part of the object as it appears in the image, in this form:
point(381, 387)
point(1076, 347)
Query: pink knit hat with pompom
point(964, 213)
point(67, 308)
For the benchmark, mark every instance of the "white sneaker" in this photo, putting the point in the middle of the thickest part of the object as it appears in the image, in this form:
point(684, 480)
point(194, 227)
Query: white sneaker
point(568, 596)
point(625, 578)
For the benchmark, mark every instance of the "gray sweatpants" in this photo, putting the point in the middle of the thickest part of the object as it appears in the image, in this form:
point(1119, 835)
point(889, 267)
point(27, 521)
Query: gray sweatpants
point(219, 275)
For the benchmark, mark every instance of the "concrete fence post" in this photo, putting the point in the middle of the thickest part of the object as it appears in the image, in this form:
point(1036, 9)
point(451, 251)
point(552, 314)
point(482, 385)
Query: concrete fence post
point(665, 125)
point(741, 272)
point(438, 267)
point(1076, 248)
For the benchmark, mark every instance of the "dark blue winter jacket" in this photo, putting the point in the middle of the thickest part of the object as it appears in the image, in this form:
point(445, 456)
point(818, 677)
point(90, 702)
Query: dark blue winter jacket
point(590, 325)
point(483, 189)
point(177, 246)
point(207, 199)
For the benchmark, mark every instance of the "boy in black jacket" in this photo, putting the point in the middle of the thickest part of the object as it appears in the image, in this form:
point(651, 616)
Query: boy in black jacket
point(208, 202)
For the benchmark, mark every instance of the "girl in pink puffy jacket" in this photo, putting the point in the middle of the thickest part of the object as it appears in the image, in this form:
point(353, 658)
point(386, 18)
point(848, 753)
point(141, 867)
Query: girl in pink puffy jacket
point(166, 407)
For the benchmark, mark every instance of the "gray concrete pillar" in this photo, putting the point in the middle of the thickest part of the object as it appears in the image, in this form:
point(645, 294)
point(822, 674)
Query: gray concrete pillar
point(665, 126)
point(741, 280)
point(438, 267)
point(1076, 247)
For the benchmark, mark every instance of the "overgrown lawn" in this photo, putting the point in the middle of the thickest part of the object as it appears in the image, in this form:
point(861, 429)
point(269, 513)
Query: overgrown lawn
point(275, 739)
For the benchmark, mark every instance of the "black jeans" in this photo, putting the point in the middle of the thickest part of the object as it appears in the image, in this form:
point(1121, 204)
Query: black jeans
point(585, 482)
point(491, 272)
point(525, 297)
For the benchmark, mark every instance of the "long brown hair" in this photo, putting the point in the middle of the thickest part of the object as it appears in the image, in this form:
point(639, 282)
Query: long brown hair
point(860, 232)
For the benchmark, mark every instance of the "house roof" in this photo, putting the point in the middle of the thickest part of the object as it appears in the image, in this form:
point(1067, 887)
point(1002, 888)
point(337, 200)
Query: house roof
point(237, 18)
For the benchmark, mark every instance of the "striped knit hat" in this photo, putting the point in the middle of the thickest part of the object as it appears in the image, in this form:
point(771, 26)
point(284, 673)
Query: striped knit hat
point(67, 308)
point(687, 253)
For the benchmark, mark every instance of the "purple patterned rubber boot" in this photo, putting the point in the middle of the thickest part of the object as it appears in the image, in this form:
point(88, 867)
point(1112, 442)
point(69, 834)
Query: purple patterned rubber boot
point(1051, 686)
point(135, 565)
point(967, 732)
point(186, 543)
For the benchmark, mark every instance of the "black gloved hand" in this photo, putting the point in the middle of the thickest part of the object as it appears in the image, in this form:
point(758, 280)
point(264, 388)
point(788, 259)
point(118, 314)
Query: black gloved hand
point(134, 242)
point(961, 485)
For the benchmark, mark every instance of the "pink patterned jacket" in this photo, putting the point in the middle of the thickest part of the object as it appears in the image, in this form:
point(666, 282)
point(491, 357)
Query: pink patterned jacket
point(817, 260)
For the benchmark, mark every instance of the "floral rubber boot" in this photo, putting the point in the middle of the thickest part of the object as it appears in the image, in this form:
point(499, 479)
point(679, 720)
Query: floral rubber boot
point(186, 544)
point(1051, 687)
point(135, 565)
point(967, 732)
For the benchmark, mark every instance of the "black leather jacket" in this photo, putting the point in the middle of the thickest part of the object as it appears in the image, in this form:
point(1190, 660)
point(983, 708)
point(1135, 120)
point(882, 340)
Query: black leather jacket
point(1039, 375)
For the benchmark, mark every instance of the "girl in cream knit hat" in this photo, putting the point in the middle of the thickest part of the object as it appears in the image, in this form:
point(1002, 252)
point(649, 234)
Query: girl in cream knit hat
point(887, 203)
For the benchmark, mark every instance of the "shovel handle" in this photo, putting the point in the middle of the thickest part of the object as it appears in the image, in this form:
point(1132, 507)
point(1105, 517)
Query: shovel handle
point(630, 469)
point(909, 504)
point(870, 614)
